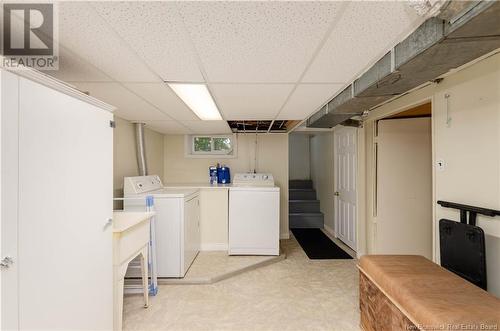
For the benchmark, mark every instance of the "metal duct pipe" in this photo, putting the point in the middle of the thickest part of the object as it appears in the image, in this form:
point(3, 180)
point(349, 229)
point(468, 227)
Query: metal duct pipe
point(140, 149)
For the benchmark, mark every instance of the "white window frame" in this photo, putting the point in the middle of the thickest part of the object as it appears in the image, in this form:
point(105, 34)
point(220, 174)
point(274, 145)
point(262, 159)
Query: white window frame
point(191, 153)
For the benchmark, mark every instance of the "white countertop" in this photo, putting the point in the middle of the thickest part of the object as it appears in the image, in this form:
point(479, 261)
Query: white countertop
point(175, 192)
point(176, 186)
point(197, 186)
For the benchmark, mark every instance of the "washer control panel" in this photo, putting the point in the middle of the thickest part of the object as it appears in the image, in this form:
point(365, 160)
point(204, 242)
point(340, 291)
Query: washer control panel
point(141, 184)
point(251, 179)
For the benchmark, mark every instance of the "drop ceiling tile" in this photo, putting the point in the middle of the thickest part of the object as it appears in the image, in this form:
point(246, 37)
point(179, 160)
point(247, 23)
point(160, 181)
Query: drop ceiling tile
point(156, 33)
point(257, 41)
point(167, 127)
point(85, 33)
point(306, 99)
point(74, 69)
point(250, 101)
point(365, 32)
point(128, 105)
point(208, 127)
point(160, 95)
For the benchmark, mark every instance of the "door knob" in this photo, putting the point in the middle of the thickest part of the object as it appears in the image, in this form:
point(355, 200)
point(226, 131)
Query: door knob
point(336, 194)
point(108, 222)
point(6, 262)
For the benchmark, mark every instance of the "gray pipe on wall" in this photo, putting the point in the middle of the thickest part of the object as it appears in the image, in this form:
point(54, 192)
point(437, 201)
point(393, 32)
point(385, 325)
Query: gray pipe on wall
point(140, 149)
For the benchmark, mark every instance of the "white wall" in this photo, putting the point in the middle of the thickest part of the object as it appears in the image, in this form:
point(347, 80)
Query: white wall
point(299, 156)
point(272, 156)
point(322, 175)
point(125, 157)
point(470, 147)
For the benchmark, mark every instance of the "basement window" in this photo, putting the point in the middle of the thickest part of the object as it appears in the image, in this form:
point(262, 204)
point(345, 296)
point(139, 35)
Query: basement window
point(210, 146)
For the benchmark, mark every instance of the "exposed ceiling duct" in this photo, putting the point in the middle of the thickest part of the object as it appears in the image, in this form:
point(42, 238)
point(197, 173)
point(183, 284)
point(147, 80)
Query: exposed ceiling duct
point(433, 49)
point(140, 149)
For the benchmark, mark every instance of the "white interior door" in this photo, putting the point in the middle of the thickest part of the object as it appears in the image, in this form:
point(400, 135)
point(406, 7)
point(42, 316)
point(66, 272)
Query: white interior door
point(345, 158)
point(404, 187)
point(65, 198)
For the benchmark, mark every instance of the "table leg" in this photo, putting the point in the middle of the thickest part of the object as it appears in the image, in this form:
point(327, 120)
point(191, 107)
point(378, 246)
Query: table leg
point(144, 270)
point(119, 275)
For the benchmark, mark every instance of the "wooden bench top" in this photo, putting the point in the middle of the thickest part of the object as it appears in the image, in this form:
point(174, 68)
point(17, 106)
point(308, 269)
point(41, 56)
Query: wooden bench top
point(432, 297)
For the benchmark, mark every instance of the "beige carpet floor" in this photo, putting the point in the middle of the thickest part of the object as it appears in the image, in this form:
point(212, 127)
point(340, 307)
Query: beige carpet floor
point(293, 294)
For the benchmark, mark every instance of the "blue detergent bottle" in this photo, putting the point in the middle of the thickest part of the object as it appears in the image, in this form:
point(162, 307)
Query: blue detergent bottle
point(223, 175)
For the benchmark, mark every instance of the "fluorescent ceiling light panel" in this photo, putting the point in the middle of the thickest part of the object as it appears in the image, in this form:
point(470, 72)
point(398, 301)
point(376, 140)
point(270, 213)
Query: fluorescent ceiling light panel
point(197, 97)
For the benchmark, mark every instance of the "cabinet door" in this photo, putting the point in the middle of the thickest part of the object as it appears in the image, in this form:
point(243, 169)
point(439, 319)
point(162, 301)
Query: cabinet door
point(191, 231)
point(65, 199)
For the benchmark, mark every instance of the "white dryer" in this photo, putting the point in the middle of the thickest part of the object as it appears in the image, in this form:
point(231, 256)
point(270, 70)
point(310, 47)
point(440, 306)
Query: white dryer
point(177, 222)
point(254, 215)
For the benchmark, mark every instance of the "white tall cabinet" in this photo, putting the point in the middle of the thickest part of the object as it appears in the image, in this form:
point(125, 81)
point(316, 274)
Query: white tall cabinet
point(56, 206)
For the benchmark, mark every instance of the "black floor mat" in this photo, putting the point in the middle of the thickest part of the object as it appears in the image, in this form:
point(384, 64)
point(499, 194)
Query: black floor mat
point(318, 246)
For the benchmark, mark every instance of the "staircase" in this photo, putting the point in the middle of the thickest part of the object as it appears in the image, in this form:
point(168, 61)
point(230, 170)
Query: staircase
point(303, 206)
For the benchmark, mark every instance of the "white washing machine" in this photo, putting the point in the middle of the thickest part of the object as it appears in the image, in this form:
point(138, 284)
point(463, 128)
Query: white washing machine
point(177, 222)
point(254, 215)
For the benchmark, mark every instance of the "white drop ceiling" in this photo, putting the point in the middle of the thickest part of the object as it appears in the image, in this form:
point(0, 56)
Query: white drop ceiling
point(260, 60)
point(251, 101)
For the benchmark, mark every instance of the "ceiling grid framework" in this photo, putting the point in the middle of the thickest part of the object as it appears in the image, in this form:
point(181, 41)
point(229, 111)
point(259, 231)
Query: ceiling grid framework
point(238, 100)
point(306, 99)
point(137, 101)
point(97, 44)
point(256, 42)
point(176, 109)
point(259, 60)
point(244, 30)
point(156, 33)
point(106, 88)
point(369, 29)
point(301, 108)
point(202, 68)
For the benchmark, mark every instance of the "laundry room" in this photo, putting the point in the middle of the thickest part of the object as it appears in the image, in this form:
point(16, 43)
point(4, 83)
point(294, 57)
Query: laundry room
point(250, 165)
point(167, 157)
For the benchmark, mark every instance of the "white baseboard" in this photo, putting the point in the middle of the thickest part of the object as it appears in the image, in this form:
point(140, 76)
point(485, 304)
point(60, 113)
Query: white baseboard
point(285, 235)
point(329, 230)
point(214, 247)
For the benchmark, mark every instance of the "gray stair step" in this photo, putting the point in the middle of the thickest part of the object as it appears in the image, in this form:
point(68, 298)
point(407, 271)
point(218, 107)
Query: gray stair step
point(302, 194)
point(303, 206)
point(306, 220)
point(300, 183)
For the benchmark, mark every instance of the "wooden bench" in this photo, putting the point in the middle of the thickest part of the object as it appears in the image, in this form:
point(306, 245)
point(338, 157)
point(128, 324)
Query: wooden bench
point(407, 292)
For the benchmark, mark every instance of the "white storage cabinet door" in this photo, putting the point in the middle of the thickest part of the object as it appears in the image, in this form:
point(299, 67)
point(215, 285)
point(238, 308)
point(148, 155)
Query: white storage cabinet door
point(65, 199)
point(9, 207)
